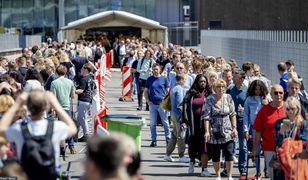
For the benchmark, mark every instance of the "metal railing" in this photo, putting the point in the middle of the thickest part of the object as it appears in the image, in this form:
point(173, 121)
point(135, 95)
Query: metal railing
point(183, 33)
point(282, 36)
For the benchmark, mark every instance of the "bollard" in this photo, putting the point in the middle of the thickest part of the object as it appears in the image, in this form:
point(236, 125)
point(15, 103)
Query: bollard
point(126, 84)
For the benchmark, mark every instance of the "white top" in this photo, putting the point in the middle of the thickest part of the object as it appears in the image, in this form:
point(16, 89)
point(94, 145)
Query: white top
point(32, 84)
point(38, 128)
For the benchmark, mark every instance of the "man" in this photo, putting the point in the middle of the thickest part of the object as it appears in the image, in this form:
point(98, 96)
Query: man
point(85, 91)
point(291, 68)
point(264, 125)
point(50, 67)
point(155, 90)
point(238, 93)
point(248, 69)
point(294, 90)
point(64, 89)
point(282, 69)
point(121, 51)
point(228, 78)
point(22, 132)
point(176, 96)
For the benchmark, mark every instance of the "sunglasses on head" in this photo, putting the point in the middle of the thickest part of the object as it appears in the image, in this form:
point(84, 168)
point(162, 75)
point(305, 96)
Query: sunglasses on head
point(278, 92)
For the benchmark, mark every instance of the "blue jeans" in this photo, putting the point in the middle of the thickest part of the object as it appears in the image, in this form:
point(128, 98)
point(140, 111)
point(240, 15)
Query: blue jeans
point(70, 140)
point(82, 109)
point(154, 111)
point(257, 161)
point(243, 152)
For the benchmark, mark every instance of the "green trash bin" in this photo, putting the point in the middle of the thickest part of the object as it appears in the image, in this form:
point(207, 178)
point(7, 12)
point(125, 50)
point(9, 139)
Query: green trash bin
point(126, 123)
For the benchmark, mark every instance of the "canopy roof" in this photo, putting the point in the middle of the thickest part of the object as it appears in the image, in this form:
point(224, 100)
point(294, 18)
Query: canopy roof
point(113, 18)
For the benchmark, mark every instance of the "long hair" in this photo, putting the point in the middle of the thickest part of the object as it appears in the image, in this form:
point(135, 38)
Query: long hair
point(253, 85)
point(194, 90)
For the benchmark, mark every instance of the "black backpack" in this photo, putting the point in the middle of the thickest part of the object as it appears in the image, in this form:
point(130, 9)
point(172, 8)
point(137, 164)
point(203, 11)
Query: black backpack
point(38, 156)
point(91, 86)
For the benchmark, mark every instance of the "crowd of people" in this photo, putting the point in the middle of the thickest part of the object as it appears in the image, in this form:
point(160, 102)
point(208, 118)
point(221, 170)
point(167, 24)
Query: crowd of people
point(215, 107)
point(219, 105)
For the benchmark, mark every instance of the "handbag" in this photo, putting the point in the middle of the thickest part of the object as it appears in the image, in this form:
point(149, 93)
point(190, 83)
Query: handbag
point(275, 163)
point(166, 102)
point(293, 168)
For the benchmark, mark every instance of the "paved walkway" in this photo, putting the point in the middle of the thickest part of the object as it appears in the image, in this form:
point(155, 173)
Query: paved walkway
point(153, 165)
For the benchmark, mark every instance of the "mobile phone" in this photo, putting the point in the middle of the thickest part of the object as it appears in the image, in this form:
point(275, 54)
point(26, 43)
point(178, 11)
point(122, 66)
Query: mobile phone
point(286, 122)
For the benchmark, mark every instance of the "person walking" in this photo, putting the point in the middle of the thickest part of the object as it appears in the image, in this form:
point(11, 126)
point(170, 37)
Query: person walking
point(218, 114)
point(176, 98)
point(192, 111)
point(264, 125)
point(64, 90)
point(155, 90)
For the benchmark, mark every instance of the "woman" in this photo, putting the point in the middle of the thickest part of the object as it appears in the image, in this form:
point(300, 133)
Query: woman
point(256, 98)
point(144, 68)
point(220, 126)
point(192, 109)
point(292, 126)
point(33, 80)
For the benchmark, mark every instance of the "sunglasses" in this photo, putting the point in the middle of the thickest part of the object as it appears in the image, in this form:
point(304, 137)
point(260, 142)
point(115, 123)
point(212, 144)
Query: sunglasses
point(290, 109)
point(278, 92)
point(179, 68)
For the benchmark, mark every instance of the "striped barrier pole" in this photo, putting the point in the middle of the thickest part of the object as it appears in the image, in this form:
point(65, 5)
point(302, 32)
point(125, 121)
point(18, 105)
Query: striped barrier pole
point(126, 84)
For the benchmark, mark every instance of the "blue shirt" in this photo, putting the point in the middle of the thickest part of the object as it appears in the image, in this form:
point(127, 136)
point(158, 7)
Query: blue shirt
point(157, 88)
point(239, 97)
point(251, 108)
point(284, 81)
point(176, 98)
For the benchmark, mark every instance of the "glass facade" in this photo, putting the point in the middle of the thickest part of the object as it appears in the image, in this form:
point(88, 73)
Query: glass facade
point(41, 16)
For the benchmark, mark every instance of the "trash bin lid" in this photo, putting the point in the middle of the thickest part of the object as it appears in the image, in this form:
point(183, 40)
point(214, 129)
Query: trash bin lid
point(129, 119)
point(122, 116)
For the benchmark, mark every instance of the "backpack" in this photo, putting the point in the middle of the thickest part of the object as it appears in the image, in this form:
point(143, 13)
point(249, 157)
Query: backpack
point(91, 86)
point(150, 65)
point(38, 156)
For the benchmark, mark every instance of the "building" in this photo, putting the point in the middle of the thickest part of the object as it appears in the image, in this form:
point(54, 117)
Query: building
point(46, 17)
point(251, 14)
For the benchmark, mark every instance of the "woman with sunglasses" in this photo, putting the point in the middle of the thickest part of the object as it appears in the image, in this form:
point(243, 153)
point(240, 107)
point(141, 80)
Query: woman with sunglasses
point(293, 125)
point(256, 98)
point(218, 115)
point(192, 109)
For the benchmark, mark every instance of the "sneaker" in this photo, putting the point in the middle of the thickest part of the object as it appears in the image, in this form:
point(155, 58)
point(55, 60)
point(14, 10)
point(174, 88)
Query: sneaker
point(139, 108)
point(235, 160)
point(206, 173)
point(218, 178)
point(184, 159)
point(153, 144)
point(191, 168)
point(230, 178)
point(168, 158)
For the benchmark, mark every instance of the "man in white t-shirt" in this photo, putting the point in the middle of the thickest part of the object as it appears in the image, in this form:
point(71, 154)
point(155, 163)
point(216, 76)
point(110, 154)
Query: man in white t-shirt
point(37, 103)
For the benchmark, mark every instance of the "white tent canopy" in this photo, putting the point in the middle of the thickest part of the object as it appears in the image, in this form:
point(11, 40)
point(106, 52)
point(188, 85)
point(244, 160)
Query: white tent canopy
point(149, 28)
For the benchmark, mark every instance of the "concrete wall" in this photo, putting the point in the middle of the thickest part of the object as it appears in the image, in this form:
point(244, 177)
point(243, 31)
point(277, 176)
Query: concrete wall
point(266, 53)
point(8, 41)
point(11, 42)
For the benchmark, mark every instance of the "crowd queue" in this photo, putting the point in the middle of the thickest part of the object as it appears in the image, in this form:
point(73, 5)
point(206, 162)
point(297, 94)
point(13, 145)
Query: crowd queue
point(215, 106)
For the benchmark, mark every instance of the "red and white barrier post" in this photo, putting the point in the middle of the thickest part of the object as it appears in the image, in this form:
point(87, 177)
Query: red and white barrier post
point(126, 84)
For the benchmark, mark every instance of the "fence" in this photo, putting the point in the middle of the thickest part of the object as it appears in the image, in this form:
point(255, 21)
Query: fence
point(10, 41)
point(183, 33)
point(266, 48)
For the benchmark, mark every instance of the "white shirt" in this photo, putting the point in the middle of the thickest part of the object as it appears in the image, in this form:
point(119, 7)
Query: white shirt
point(122, 50)
point(38, 128)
